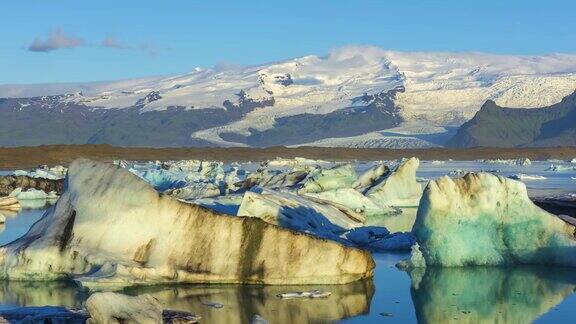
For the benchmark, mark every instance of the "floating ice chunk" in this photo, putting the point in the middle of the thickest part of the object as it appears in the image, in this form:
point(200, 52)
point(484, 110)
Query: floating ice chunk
point(355, 201)
point(483, 219)
point(457, 173)
point(399, 187)
point(560, 168)
point(573, 161)
point(274, 179)
point(522, 176)
point(54, 173)
point(342, 176)
point(370, 177)
point(32, 194)
point(437, 162)
point(296, 162)
point(305, 294)
point(519, 162)
point(111, 228)
point(321, 218)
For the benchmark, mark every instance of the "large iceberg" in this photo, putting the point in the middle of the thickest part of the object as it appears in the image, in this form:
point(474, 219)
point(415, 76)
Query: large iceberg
point(398, 188)
point(487, 220)
point(110, 227)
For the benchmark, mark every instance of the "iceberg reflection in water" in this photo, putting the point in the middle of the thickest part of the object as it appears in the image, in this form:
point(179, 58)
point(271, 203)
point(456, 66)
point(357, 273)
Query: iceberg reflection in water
point(241, 302)
point(488, 294)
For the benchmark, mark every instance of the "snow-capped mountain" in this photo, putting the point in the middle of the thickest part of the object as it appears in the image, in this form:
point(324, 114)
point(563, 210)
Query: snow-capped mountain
point(354, 96)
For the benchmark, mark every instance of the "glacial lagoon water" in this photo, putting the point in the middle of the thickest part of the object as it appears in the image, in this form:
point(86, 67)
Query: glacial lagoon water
point(470, 295)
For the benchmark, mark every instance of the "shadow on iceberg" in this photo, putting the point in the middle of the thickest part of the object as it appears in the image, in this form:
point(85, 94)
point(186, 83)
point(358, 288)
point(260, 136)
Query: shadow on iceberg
point(488, 294)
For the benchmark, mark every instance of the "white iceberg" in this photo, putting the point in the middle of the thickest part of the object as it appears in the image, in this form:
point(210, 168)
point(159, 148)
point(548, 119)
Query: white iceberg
point(522, 176)
point(342, 176)
point(321, 218)
point(487, 220)
point(370, 177)
point(518, 162)
point(560, 168)
point(356, 201)
point(53, 173)
point(32, 194)
point(398, 188)
point(111, 228)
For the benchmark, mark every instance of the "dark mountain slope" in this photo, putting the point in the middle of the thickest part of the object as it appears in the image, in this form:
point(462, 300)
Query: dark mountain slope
point(495, 126)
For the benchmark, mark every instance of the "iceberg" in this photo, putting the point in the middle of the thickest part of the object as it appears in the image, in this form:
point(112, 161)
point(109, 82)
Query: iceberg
point(522, 176)
point(370, 177)
point(111, 228)
point(54, 173)
point(319, 217)
point(10, 183)
point(487, 220)
point(560, 168)
point(274, 179)
point(398, 188)
point(518, 162)
point(32, 194)
point(371, 209)
point(342, 176)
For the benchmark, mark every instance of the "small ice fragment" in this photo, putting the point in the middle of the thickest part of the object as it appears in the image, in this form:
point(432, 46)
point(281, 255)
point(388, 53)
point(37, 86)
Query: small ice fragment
point(305, 294)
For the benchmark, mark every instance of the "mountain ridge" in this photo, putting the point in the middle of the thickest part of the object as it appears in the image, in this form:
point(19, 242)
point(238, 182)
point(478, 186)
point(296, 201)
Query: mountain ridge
point(496, 126)
point(310, 100)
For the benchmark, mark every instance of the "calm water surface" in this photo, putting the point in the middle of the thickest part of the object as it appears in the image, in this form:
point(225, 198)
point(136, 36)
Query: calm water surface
point(469, 295)
point(511, 295)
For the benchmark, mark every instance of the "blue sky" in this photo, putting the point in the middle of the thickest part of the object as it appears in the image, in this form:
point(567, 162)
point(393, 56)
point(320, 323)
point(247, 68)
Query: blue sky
point(72, 41)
